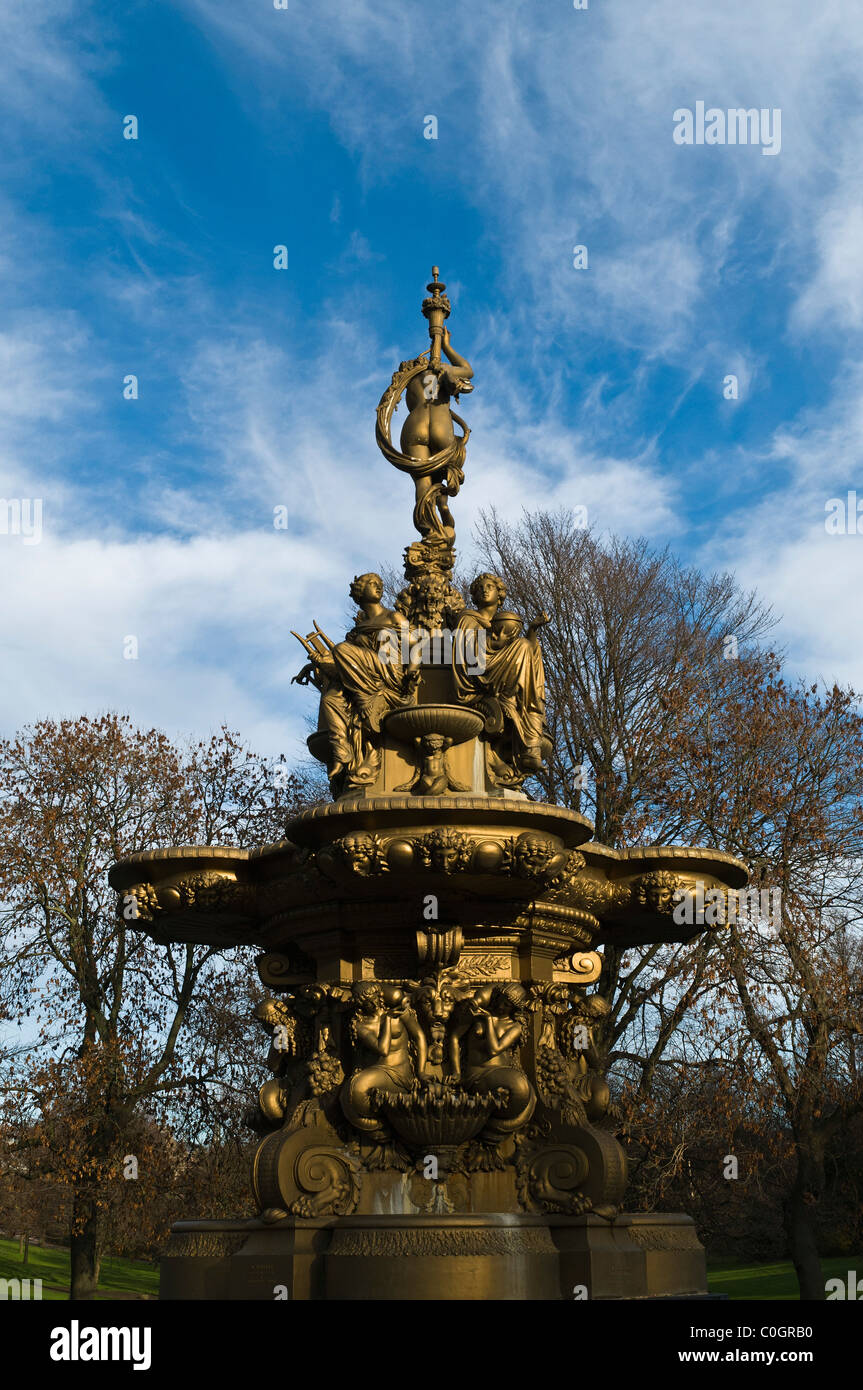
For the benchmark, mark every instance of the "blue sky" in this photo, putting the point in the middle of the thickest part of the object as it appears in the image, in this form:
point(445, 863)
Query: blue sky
point(600, 387)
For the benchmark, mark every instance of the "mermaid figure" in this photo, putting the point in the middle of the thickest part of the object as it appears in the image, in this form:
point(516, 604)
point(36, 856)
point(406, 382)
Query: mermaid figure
point(494, 1026)
point(383, 1029)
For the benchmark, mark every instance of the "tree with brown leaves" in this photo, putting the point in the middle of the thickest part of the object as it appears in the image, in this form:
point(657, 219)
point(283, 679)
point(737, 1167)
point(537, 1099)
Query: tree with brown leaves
point(105, 1011)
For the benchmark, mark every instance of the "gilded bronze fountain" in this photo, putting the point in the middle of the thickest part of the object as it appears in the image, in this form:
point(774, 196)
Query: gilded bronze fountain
point(435, 1124)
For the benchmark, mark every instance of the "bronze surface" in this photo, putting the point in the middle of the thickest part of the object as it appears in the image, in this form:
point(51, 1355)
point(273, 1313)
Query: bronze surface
point(435, 1120)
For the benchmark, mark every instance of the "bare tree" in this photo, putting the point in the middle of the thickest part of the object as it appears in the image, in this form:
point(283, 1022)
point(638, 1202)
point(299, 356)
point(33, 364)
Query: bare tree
point(659, 688)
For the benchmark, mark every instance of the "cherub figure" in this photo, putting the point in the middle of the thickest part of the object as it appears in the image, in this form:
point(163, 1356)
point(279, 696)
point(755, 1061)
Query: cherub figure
point(433, 777)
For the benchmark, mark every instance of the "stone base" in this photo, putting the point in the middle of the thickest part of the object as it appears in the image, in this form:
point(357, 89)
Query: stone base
point(465, 1258)
point(637, 1255)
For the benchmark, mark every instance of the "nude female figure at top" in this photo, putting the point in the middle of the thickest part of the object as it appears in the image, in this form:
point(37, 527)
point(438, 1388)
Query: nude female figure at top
point(428, 430)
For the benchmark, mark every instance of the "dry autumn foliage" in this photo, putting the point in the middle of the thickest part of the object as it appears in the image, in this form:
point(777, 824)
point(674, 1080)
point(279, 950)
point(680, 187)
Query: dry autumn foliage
point(689, 737)
point(128, 1042)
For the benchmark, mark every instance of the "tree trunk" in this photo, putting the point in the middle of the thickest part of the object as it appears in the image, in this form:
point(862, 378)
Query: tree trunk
point(800, 1219)
point(24, 1247)
point(85, 1255)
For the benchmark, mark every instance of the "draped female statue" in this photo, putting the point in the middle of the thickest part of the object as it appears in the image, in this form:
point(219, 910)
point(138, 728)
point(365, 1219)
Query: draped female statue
point(511, 674)
point(360, 679)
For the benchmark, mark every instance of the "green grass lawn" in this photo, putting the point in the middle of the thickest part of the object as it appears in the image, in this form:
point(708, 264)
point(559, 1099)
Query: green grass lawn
point(772, 1281)
point(118, 1277)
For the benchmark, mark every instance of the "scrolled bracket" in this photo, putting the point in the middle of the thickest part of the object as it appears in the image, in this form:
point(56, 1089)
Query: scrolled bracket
point(306, 1176)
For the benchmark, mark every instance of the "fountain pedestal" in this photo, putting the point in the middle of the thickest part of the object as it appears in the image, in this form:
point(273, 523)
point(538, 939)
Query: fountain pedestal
point(518, 1257)
point(403, 1154)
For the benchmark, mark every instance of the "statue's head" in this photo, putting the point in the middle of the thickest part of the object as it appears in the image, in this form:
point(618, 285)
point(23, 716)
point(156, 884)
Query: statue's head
point(270, 1013)
point(358, 851)
point(367, 588)
point(446, 851)
point(444, 856)
point(486, 589)
point(393, 996)
point(657, 890)
point(510, 1000)
point(531, 853)
point(436, 1001)
point(369, 997)
point(596, 1006)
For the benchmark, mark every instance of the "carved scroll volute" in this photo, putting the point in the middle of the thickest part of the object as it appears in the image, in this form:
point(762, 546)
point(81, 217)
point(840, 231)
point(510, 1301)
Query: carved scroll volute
point(553, 1178)
point(586, 1173)
point(587, 966)
point(307, 1173)
point(278, 971)
point(605, 1183)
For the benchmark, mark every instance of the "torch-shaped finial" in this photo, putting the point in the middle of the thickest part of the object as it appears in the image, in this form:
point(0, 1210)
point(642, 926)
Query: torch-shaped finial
point(436, 310)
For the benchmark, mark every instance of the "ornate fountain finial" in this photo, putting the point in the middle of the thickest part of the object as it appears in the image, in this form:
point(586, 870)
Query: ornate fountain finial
point(430, 450)
point(436, 309)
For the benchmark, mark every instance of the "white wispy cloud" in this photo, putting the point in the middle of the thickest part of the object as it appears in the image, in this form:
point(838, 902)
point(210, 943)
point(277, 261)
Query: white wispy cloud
point(556, 126)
